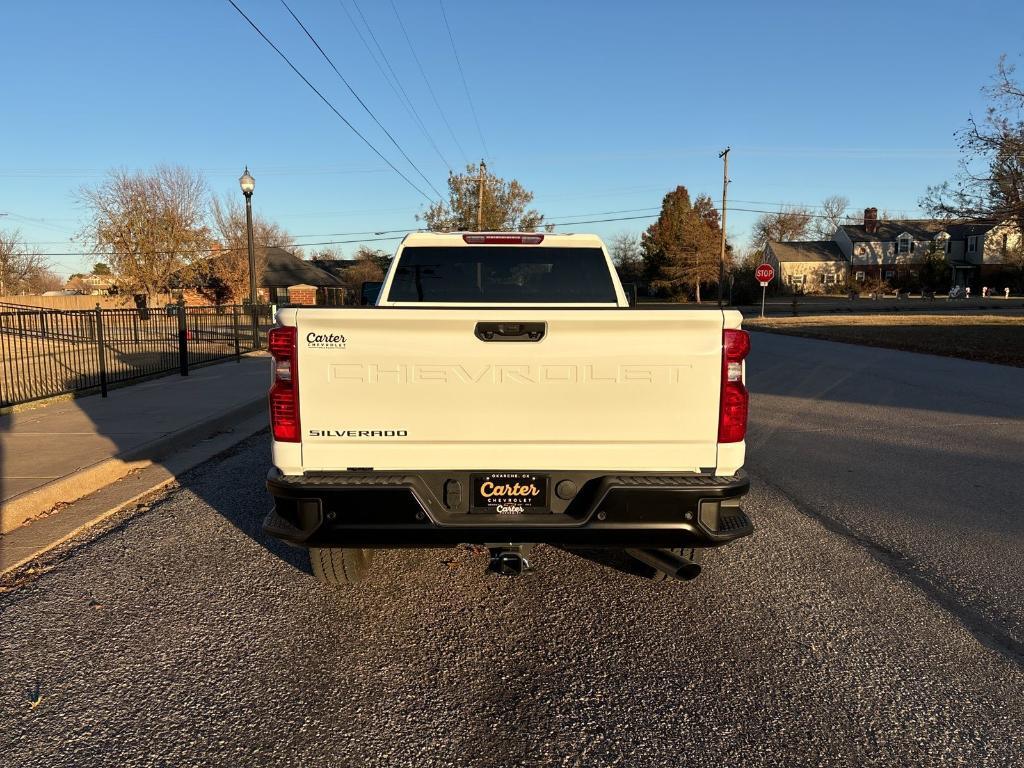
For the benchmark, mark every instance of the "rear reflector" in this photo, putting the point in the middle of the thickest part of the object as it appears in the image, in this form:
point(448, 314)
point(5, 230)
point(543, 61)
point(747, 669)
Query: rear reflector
point(503, 239)
point(734, 405)
point(284, 392)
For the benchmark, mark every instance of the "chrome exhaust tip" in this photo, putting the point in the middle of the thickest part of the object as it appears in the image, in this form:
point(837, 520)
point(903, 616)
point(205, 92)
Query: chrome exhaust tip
point(668, 562)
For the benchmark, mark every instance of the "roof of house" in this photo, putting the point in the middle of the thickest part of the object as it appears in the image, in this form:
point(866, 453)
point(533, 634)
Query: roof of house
point(963, 231)
point(285, 268)
point(806, 250)
point(889, 229)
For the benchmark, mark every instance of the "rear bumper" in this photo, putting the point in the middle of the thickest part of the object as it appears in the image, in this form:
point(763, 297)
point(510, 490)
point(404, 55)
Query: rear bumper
point(423, 509)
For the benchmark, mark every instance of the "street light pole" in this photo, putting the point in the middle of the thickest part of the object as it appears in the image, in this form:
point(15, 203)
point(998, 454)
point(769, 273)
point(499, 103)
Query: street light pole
point(248, 184)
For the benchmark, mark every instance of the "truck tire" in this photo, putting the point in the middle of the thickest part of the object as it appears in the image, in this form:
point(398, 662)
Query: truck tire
point(340, 567)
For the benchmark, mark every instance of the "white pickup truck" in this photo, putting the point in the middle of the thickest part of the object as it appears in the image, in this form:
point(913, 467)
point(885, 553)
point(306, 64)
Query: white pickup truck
point(502, 392)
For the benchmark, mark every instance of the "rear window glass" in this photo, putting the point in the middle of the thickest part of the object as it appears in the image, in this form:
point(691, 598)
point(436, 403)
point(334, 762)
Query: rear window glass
point(507, 274)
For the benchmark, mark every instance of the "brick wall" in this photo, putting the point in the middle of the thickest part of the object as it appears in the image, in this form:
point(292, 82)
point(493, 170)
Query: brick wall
point(302, 294)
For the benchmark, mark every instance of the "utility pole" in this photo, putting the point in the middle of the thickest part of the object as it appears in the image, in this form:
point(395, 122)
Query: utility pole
point(480, 197)
point(724, 154)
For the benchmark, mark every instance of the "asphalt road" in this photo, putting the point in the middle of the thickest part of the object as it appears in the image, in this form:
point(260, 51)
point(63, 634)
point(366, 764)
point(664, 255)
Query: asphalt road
point(918, 457)
point(870, 620)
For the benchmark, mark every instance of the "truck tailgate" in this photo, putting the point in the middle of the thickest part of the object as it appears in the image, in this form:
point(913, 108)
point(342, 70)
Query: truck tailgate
point(417, 389)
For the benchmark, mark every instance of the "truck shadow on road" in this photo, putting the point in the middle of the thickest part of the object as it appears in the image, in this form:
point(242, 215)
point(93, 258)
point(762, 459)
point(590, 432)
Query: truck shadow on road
point(232, 486)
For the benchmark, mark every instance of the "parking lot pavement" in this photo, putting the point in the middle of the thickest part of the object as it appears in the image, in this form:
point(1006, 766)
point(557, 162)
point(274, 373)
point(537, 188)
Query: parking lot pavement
point(180, 636)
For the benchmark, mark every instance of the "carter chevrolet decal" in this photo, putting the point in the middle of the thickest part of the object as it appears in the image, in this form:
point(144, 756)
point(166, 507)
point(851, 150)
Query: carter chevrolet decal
point(325, 340)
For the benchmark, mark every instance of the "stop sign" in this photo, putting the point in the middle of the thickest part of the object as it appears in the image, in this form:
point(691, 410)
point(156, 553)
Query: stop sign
point(765, 273)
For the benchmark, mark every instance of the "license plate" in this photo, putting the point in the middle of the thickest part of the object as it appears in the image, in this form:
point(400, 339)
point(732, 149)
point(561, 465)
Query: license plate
point(510, 493)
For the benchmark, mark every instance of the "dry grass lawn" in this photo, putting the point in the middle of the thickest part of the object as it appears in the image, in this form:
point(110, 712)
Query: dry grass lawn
point(988, 338)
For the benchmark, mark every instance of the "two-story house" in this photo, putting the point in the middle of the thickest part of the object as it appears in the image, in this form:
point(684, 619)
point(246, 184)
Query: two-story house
point(887, 249)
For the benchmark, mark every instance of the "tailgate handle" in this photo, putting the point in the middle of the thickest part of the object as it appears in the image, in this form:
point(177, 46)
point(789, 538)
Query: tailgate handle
point(511, 331)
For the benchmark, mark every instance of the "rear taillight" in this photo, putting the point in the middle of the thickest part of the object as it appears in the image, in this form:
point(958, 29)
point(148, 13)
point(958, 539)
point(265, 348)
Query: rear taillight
point(503, 239)
point(732, 413)
point(284, 393)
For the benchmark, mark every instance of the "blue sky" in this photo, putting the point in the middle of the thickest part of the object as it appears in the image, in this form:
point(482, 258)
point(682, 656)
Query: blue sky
point(595, 106)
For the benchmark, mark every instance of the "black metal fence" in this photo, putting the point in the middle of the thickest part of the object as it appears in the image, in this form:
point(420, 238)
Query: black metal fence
point(46, 352)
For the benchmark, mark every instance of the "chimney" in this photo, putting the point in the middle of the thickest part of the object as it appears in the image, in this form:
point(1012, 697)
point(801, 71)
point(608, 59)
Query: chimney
point(870, 220)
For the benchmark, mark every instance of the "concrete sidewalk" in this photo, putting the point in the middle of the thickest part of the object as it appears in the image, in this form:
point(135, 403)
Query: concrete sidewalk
point(61, 452)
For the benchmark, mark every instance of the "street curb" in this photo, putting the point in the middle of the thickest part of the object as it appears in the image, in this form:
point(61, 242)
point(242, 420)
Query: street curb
point(26, 506)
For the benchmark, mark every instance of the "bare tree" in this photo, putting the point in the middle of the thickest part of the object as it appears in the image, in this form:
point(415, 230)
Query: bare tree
point(990, 181)
point(749, 258)
point(627, 256)
point(504, 205)
point(378, 256)
point(225, 276)
point(22, 269)
point(833, 214)
point(789, 223)
point(327, 253)
point(43, 280)
point(366, 269)
point(149, 227)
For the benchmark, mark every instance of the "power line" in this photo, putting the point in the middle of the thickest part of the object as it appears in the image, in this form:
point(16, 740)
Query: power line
point(606, 217)
point(407, 103)
point(772, 202)
point(295, 238)
point(78, 173)
point(357, 97)
point(962, 220)
point(349, 234)
point(462, 74)
point(326, 101)
point(202, 251)
point(400, 233)
point(606, 213)
point(599, 221)
point(426, 80)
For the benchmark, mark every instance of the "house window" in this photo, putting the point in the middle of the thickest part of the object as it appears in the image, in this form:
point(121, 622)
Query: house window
point(972, 244)
point(859, 277)
point(889, 274)
point(797, 279)
point(904, 244)
point(829, 279)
